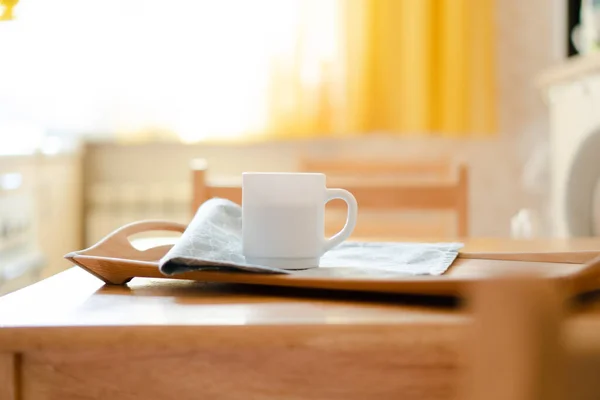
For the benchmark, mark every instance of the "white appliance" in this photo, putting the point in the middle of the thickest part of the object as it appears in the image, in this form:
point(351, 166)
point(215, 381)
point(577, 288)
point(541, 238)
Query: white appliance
point(572, 91)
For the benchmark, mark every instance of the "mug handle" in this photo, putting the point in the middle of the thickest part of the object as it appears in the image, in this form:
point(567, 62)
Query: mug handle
point(350, 219)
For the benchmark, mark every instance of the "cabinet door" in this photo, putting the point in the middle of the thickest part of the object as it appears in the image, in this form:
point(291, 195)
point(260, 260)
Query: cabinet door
point(59, 209)
point(20, 257)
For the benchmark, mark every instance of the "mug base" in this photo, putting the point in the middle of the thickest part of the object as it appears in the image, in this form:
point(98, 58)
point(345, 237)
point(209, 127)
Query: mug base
point(285, 263)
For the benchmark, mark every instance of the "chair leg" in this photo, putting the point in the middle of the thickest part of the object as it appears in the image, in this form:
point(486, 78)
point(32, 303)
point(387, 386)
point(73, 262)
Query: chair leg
point(462, 202)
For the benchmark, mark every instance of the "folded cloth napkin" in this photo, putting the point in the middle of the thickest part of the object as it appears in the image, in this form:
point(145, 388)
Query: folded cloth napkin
point(213, 241)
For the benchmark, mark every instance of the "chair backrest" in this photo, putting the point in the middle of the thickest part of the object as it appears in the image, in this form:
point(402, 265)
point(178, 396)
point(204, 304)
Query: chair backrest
point(440, 168)
point(402, 185)
point(371, 195)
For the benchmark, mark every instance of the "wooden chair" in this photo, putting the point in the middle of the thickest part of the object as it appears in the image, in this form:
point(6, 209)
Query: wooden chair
point(370, 195)
point(515, 348)
point(519, 346)
point(418, 186)
point(202, 190)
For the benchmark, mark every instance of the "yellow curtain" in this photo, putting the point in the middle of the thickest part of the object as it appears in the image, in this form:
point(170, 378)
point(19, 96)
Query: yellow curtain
point(423, 67)
point(430, 66)
point(240, 69)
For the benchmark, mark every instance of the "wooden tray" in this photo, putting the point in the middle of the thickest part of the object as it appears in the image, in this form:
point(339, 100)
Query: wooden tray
point(116, 261)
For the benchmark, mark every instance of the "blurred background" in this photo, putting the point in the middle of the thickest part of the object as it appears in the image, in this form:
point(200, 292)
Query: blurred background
point(104, 104)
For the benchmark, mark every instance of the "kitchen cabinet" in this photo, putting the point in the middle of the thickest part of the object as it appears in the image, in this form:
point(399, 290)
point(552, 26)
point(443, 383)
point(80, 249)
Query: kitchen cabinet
point(40, 216)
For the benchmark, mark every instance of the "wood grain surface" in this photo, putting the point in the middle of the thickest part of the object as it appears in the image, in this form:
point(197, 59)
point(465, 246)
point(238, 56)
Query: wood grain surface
point(72, 337)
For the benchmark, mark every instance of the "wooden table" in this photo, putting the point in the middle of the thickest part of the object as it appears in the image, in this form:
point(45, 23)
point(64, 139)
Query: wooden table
point(70, 337)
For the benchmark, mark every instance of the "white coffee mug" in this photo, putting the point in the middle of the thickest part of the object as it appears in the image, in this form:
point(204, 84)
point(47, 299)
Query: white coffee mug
point(283, 219)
